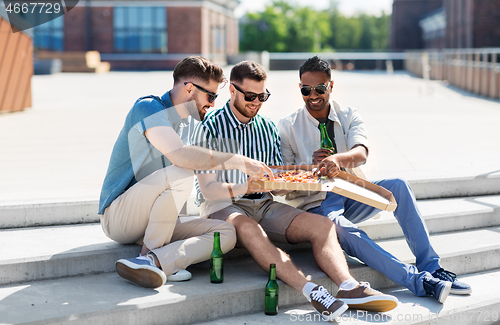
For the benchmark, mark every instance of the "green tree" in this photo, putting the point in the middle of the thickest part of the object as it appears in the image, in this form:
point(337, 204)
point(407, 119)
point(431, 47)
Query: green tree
point(308, 30)
point(382, 30)
point(285, 27)
point(264, 31)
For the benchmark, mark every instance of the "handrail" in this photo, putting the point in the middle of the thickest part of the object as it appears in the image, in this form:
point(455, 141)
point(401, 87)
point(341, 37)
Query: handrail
point(473, 70)
point(339, 55)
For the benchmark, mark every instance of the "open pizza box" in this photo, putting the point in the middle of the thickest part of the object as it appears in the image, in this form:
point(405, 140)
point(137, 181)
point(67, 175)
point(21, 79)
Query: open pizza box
point(344, 184)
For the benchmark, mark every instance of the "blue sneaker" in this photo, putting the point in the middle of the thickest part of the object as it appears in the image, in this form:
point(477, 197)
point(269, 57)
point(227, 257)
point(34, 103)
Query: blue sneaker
point(457, 287)
point(437, 288)
point(141, 271)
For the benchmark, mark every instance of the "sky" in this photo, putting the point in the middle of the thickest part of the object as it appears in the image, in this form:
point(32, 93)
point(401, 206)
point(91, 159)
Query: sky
point(347, 7)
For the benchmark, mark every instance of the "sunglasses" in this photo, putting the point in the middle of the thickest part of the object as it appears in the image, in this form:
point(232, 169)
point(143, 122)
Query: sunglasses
point(211, 96)
point(250, 97)
point(320, 89)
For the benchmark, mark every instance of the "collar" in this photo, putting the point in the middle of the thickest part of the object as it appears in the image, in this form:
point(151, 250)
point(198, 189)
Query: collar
point(233, 121)
point(332, 115)
point(171, 111)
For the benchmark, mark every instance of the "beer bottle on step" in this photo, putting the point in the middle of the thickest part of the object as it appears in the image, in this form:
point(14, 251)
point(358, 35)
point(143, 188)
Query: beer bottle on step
point(271, 300)
point(216, 267)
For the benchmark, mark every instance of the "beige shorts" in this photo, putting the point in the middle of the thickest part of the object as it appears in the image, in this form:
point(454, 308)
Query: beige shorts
point(274, 217)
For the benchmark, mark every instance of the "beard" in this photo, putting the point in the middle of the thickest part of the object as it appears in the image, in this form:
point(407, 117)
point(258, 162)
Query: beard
point(195, 108)
point(240, 107)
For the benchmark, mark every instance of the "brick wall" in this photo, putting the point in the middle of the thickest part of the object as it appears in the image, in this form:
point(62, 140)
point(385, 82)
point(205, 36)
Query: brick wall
point(486, 23)
point(232, 36)
point(74, 30)
point(189, 30)
point(143, 65)
point(102, 29)
point(459, 19)
point(405, 31)
point(184, 30)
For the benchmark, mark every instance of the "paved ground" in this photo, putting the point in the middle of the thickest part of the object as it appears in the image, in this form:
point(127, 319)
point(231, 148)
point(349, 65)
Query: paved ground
point(59, 149)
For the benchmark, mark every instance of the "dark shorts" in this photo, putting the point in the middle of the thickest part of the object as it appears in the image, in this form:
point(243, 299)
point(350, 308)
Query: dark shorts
point(274, 217)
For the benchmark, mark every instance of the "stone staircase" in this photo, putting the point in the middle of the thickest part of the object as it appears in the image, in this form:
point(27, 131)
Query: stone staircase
point(57, 267)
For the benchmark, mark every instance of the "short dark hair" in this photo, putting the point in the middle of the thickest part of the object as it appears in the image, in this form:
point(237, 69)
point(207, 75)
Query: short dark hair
point(247, 70)
point(316, 64)
point(198, 68)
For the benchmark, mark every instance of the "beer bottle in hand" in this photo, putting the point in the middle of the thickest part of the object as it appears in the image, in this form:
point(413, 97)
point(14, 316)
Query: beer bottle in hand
point(326, 143)
point(216, 267)
point(271, 303)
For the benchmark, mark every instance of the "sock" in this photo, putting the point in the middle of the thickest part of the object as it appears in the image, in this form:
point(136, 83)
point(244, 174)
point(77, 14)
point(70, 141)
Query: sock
point(308, 287)
point(348, 285)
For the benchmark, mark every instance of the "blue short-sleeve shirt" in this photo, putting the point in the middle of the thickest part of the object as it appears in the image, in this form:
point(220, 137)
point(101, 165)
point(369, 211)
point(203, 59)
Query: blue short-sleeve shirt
point(133, 157)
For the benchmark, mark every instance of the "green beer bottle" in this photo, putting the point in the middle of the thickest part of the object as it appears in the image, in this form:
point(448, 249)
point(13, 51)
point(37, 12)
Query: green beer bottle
point(271, 303)
point(326, 143)
point(216, 267)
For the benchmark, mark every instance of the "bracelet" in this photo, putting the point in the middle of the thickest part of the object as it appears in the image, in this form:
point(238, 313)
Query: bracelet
point(212, 158)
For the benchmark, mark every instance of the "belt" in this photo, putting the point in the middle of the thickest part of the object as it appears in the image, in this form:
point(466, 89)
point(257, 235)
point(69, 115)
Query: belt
point(253, 196)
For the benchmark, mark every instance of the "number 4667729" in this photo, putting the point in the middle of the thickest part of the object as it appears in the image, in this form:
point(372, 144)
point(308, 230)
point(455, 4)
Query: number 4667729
point(33, 7)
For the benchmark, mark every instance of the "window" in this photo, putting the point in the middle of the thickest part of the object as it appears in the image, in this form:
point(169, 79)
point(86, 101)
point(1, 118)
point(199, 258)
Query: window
point(50, 35)
point(218, 39)
point(140, 29)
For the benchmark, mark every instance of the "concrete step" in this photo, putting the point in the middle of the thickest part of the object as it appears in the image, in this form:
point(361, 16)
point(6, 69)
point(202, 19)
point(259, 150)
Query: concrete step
point(107, 299)
point(50, 252)
point(48, 213)
point(488, 184)
point(482, 307)
point(441, 215)
point(32, 214)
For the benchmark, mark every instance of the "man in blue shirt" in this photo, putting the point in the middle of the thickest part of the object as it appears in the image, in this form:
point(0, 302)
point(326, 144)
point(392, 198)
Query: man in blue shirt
point(150, 177)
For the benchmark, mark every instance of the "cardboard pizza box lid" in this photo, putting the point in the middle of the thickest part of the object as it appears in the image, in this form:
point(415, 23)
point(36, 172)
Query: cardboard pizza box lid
point(344, 184)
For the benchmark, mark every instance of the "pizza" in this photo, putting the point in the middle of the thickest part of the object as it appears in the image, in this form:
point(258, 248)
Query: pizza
point(293, 176)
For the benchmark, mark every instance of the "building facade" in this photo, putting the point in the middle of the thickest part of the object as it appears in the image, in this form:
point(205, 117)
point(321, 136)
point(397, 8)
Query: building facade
point(439, 24)
point(145, 35)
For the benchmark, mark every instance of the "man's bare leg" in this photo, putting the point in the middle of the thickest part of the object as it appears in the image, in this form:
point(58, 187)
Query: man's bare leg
point(320, 232)
point(254, 238)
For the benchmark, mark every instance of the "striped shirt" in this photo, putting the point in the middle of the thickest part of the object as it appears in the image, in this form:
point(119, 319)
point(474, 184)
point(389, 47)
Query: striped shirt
point(222, 131)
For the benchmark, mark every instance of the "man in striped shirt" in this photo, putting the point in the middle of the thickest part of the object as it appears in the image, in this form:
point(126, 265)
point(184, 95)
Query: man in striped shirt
point(229, 195)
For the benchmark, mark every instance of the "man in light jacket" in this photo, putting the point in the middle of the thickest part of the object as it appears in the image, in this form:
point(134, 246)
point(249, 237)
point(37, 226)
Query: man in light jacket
point(300, 144)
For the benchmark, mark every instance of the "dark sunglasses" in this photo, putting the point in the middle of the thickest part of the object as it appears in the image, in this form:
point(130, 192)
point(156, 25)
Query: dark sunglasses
point(211, 96)
point(320, 89)
point(250, 97)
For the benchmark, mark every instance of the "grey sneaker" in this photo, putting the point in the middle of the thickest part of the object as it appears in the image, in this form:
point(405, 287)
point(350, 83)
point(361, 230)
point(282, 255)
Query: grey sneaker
point(142, 272)
point(326, 305)
point(437, 288)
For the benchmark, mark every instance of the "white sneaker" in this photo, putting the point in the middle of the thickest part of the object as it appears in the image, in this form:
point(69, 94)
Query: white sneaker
point(178, 276)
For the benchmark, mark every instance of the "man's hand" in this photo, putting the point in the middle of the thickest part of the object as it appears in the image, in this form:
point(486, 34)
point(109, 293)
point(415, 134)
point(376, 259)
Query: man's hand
point(256, 170)
point(329, 167)
point(321, 154)
point(253, 188)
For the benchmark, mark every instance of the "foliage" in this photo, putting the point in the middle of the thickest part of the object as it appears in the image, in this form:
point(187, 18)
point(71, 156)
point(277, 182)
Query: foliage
point(285, 27)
